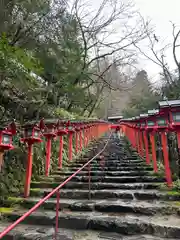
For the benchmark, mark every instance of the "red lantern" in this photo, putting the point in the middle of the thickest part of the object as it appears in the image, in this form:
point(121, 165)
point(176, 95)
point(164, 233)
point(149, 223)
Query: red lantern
point(31, 136)
point(6, 135)
point(151, 123)
point(174, 118)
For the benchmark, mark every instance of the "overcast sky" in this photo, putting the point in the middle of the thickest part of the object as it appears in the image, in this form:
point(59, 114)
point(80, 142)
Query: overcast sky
point(161, 12)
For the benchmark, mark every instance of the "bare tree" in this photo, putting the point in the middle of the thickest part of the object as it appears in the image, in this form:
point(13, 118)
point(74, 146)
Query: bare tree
point(110, 31)
point(157, 50)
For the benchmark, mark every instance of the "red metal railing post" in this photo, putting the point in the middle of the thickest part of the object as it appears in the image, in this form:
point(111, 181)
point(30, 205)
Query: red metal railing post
point(48, 156)
point(89, 181)
point(166, 159)
point(28, 170)
point(57, 213)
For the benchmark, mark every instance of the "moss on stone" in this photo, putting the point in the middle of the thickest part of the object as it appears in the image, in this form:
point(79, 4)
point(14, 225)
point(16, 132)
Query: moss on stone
point(6, 210)
point(35, 189)
point(173, 193)
point(15, 199)
point(176, 203)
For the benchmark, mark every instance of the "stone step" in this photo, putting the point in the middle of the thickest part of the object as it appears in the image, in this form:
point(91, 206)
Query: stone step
point(119, 164)
point(75, 185)
point(32, 232)
point(114, 168)
point(107, 162)
point(100, 173)
point(145, 194)
point(120, 223)
point(105, 179)
point(113, 206)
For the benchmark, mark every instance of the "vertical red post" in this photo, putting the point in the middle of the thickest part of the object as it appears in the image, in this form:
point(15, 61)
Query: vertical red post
point(89, 180)
point(146, 147)
point(84, 137)
point(139, 143)
point(28, 170)
point(136, 140)
point(80, 140)
point(57, 213)
point(76, 141)
point(153, 152)
point(1, 159)
point(166, 159)
point(88, 135)
point(178, 139)
point(60, 150)
point(48, 156)
point(70, 145)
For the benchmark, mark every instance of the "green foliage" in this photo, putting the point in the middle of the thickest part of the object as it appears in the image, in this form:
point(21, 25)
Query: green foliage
point(141, 104)
point(143, 97)
point(43, 73)
point(13, 172)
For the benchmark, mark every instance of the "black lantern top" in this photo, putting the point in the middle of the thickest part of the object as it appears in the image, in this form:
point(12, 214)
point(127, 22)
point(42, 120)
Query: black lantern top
point(5, 139)
point(143, 118)
point(61, 128)
point(32, 133)
point(151, 124)
point(172, 108)
point(49, 128)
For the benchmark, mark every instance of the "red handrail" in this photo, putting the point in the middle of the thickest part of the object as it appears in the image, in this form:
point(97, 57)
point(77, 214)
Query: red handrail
point(13, 225)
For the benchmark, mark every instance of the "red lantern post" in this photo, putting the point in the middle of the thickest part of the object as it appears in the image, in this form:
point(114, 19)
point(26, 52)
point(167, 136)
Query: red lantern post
point(61, 132)
point(85, 134)
point(139, 136)
point(77, 131)
point(80, 135)
point(31, 136)
point(6, 134)
point(71, 131)
point(49, 132)
point(143, 118)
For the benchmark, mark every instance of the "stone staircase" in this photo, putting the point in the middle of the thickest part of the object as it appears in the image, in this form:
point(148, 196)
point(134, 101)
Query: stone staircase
point(124, 203)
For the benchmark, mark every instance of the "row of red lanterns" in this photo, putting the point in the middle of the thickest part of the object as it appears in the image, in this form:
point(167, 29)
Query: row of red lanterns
point(162, 120)
point(51, 129)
